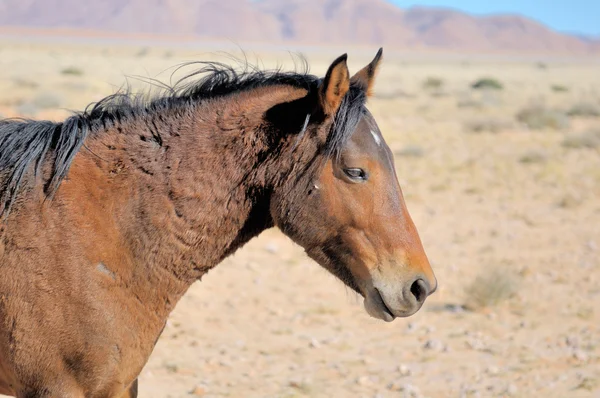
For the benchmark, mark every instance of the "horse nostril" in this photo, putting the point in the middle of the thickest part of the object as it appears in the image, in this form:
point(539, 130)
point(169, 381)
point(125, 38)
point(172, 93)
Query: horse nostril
point(419, 290)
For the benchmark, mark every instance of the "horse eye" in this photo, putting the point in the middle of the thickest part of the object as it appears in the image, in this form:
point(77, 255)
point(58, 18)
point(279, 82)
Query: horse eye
point(356, 174)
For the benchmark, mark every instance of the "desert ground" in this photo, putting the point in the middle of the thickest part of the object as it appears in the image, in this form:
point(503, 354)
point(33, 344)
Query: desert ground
point(503, 185)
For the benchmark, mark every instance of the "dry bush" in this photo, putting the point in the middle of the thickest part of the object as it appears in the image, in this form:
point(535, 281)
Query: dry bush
point(391, 95)
point(142, 52)
point(490, 288)
point(433, 83)
point(24, 83)
point(46, 100)
point(540, 117)
point(487, 83)
point(412, 151)
point(558, 88)
point(585, 109)
point(488, 124)
point(27, 109)
point(533, 156)
point(588, 139)
point(72, 71)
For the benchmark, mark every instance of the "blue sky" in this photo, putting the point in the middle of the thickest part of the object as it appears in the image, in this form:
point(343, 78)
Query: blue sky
point(574, 16)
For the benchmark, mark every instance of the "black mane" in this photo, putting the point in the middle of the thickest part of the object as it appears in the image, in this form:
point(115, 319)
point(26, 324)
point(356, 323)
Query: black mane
point(27, 144)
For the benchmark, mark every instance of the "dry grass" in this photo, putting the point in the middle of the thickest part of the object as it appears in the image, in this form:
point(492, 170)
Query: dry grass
point(559, 88)
point(539, 118)
point(72, 71)
point(489, 124)
point(587, 139)
point(487, 83)
point(413, 151)
point(490, 288)
point(533, 156)
point(433, 83)
point(585, 109)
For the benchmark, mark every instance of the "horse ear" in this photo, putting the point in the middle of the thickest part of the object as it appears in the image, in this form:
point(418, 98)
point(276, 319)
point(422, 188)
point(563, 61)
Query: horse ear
point(335, 85)
point(366, 76)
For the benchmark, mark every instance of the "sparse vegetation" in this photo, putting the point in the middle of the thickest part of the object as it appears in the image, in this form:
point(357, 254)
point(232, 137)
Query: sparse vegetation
point(142, 52)
point(433, 83)
point(489, 124)
point(390, 95)
point(540, 117)
point(412, 151)
point(72, 71)
point(27, 109)
point(490, 288)
point(24, 83)
point(533, 156)
point(46, 100)
point(585, 109)
point(588, 139)
point(487, 83)
point(558, 88)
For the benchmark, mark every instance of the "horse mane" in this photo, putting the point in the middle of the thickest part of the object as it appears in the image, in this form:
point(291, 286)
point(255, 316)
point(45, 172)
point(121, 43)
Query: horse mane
point(26, 143)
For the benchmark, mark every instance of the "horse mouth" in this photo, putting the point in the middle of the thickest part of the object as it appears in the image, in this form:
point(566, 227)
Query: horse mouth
point(384, 306)
point(376, 306)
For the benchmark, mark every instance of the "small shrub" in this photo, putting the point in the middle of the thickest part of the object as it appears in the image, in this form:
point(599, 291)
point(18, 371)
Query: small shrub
point(27, 109)
point(539, 117)
point(487, 83)
point(557, 88)
point(433, 83)
point(585, 109)
point(533, 157)
point(412, 151)
point(588, 139)
point(390, 95)
point(469, 103)
point(142, 52)
point(46, 100)
point(24, 83)
point(72, 71)
point(491, 125)
point(490, 288)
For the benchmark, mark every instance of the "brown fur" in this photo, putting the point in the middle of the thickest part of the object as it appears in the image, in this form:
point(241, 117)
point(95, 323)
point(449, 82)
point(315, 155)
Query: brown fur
point(88, 279)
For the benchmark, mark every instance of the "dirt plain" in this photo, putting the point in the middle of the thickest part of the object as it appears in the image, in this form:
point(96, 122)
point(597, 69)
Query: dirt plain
point(508, 208)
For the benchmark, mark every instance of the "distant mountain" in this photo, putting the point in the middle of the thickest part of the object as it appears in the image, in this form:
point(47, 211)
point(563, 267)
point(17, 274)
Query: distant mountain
point(372, 22)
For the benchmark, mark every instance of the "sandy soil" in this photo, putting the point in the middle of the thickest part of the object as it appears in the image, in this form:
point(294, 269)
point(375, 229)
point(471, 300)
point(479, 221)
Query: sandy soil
point(510, 220)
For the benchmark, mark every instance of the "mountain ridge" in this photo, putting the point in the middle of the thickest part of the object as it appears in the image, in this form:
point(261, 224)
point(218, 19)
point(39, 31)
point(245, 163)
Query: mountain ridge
point(313, 22)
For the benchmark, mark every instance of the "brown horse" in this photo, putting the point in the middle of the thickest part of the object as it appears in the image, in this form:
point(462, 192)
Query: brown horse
point(111, 215)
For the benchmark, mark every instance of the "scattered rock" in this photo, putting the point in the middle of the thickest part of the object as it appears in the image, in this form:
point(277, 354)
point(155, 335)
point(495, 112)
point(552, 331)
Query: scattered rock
point(314, 343)
point(198, 391)
point(410, 391)
point(404, 370)
point(580, 355)
point(511, 390)
point(434, 345)
point(363, 381)
point(396, 385)
point(572, 341)
point(476, 344)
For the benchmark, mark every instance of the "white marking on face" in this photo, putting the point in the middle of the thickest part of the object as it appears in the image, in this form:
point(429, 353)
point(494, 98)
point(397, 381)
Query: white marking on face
point(376, 137)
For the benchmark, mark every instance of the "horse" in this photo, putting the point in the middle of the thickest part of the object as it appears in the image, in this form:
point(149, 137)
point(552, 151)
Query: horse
point(109, 216)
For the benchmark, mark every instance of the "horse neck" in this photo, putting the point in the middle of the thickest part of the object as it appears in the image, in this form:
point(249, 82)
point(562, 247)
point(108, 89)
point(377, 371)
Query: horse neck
point(199, 182)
